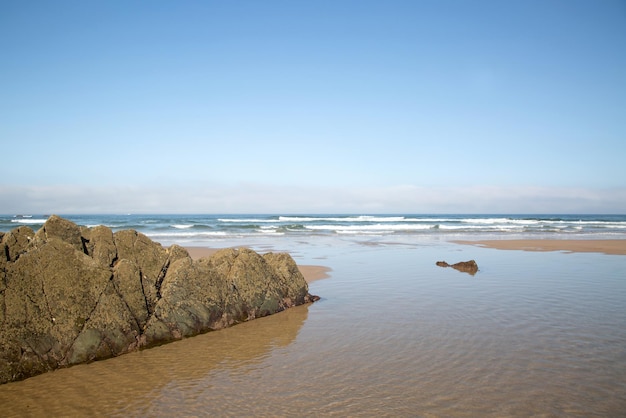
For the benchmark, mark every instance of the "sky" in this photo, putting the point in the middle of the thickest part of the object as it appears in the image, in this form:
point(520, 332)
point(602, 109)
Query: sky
point(313, 106)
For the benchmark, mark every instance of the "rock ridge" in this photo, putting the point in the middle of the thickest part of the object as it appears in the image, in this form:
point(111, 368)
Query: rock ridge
point(71, 294)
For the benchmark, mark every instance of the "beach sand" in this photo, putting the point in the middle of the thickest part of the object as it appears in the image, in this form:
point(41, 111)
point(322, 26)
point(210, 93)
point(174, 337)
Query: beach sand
point(310, 273)
point(608, 246)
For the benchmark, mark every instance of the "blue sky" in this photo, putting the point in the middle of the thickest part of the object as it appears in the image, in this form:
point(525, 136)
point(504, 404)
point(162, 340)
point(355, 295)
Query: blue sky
point(313, 106)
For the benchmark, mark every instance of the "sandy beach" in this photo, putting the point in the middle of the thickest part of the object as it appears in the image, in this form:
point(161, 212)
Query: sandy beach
point(608, 246)
point(310, 273)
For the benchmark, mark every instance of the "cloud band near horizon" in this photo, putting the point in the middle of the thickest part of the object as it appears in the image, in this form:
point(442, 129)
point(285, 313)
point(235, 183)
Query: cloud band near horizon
point(261, 198)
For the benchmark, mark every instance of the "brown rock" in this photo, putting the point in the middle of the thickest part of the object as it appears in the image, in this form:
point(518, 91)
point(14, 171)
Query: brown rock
point(469, 267)
point(100, 245)
point(58, 228)
point(50, 293)
point(72, 294)
point(16, 242)
point(127, 283)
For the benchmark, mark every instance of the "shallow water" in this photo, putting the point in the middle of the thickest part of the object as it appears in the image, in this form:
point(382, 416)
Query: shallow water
point(394, 335)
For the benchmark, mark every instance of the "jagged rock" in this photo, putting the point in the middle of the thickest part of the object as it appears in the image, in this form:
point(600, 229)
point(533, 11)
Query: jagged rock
point(71, 294)
point(100, 244)
point(62, 229)
point(464, 266)
point(16, 242)
point(127, 283)
point(51, 291)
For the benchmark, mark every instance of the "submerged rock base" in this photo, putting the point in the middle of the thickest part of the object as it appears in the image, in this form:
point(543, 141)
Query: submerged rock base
point(71, 294)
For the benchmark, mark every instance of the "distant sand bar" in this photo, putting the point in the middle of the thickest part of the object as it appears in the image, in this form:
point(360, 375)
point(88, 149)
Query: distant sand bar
point(606, 246)
point(310, 273)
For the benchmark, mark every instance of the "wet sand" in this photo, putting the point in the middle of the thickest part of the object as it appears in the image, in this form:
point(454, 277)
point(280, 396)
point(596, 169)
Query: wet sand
point(310, 273)
point(606, 246)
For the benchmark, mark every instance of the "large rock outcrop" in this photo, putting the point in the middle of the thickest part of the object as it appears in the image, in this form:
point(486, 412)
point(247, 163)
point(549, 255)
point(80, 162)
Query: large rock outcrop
point(71, 294)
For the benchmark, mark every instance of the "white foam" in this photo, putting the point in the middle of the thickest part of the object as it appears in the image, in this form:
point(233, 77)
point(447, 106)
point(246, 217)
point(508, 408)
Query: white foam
point(248, 220)
point(361, 218)
point(488, 221)
point(186, 234)
point(182, 226)
point(28, 221)
point(271, 232)
point(482, 227)
point(375, 227)
point(352, 232)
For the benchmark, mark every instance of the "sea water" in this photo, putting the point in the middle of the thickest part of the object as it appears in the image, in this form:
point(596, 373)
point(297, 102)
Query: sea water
point(208, 229)
point(532, 333)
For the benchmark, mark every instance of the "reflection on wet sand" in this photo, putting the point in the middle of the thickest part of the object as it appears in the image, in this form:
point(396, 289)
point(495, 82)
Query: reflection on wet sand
point(606, 246)
point(133, 382)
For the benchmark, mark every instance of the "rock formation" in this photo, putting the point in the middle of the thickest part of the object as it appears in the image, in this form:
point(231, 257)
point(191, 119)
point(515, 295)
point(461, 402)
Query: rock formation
point(71, 294)
point(464, 266)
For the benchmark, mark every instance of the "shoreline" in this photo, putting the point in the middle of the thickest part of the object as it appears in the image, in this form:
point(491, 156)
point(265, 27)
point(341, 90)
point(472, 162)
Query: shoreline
point(605, 246)
point(311, 273)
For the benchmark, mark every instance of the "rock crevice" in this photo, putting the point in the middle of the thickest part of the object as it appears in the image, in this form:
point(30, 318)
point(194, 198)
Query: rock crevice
point(71, 294)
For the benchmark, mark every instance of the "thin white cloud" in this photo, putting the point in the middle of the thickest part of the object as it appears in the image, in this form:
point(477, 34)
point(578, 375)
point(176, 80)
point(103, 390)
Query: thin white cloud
point(258, 198)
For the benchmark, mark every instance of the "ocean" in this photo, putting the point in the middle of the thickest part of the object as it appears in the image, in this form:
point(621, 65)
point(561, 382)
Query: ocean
point(530, 334)
point(216, 229)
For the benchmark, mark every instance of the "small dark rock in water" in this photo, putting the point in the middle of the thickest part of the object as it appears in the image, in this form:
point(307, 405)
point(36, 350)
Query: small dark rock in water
point(469, 267)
